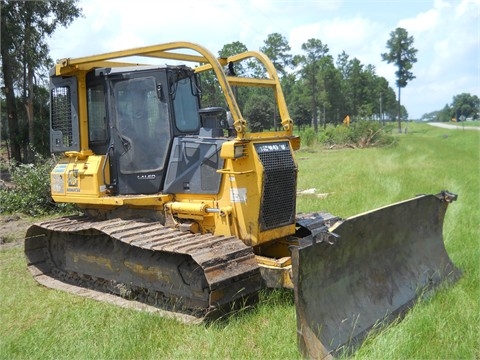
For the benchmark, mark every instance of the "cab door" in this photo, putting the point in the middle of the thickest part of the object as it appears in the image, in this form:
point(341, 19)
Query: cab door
point(140, 135)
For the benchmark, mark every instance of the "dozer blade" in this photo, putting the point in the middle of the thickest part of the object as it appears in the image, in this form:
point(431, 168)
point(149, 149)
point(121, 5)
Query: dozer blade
point(366, 270)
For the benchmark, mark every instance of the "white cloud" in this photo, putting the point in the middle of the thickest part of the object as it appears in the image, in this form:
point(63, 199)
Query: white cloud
point(355, 36)
point(446, 34)
point(425, 21)
point(448, 54)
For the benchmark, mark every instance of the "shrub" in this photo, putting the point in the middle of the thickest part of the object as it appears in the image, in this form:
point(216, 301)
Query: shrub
point(308, 137)
point(360, 134)
point(337, 135)
point(31, 193)
point(371, 133)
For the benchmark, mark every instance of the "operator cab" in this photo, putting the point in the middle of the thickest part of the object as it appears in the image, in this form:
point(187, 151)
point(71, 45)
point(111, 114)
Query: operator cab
point(134, 113)
point(148, 123)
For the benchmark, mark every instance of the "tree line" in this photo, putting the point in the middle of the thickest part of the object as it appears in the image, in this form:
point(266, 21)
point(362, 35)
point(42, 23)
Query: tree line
point(25, 26)
point(319, 88)
point(464, 107)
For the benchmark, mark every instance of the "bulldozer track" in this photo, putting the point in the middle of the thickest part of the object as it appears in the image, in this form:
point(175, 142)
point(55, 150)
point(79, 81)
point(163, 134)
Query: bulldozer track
point(214, 271)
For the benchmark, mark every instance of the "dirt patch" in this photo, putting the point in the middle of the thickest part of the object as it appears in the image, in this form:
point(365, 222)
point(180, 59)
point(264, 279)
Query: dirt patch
point(13, 228)
point(5, 178)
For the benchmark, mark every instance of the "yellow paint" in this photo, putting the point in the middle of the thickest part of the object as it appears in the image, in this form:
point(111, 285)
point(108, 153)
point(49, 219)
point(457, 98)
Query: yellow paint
point(183, 51)
point(276, 272)
point(93, 259)
point(79, 177)
point(148, 273)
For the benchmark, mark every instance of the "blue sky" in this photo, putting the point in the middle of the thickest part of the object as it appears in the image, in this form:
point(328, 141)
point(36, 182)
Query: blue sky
point(446, 33)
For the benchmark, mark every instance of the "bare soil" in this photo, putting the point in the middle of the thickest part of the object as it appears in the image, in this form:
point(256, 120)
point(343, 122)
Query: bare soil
point(13, 228)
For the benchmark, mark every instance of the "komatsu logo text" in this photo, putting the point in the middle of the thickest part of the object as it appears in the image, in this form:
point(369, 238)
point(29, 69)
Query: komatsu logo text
point(272, 147)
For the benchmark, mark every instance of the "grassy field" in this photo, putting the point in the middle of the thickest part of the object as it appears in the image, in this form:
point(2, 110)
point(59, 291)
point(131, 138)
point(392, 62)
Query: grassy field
point(37, 323)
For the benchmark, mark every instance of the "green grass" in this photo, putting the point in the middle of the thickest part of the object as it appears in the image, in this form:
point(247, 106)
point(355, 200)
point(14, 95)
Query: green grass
point(37, 323)
point(426, 160)
point(469, 123)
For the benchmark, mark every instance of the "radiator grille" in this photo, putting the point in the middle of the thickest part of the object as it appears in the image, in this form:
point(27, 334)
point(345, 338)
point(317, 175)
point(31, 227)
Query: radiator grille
point(279, 185)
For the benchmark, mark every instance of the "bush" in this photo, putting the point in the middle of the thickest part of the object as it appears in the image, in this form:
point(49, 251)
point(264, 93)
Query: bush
point(308, 137)
point(31, 193)
point(371, 133)
point(337, 135)
point(360, 134)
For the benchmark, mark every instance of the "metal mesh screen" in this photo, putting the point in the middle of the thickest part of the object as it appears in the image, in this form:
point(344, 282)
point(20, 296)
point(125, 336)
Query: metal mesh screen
point(279, 185)
point(62, 113)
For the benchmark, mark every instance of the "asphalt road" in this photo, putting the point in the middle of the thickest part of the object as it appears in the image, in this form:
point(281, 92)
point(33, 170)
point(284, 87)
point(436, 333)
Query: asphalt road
point(451, 126)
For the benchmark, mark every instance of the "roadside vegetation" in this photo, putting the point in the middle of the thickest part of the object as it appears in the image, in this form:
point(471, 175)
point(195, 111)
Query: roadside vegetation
point(360, 134)
point(466, 123)
point(48, 324)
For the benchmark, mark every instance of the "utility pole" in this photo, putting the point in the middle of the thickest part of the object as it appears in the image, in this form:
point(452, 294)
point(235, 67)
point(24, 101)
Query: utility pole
point(381, 110)
point(324, 118)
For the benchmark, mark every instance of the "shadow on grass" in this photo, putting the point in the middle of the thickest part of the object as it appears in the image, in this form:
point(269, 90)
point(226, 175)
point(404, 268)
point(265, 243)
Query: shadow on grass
point(250, 306)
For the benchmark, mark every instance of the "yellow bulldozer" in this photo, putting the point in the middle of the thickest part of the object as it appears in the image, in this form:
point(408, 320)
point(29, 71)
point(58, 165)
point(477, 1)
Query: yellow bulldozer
point(188, 212)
